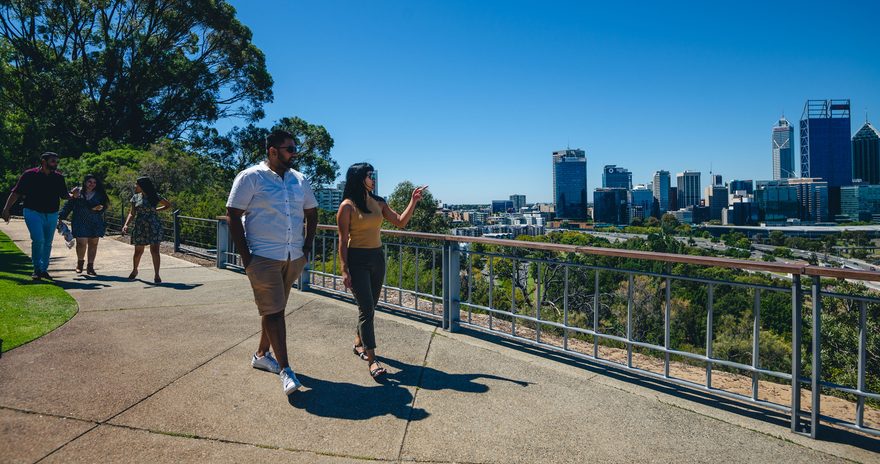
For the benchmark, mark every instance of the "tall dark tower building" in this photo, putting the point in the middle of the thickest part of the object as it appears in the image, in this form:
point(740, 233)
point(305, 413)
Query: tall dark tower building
point(782, 142)
point(570, 183)
point(826, 147)
point(616, 177)
point(866, 154)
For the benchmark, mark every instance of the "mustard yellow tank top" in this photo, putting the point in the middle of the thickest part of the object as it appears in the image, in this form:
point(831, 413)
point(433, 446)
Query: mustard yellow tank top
point(363, 230)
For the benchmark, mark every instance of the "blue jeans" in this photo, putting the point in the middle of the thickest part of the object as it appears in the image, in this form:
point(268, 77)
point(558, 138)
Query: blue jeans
point(42, 229)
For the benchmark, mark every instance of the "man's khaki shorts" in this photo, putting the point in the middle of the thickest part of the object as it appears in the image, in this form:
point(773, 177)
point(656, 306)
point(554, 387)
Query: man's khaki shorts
point(272, 280)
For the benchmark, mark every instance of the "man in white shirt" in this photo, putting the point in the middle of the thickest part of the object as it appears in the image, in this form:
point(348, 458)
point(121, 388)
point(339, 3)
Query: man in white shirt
point(267, 206)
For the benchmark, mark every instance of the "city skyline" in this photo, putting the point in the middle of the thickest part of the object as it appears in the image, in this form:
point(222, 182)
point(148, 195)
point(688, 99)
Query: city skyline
point(457, 96)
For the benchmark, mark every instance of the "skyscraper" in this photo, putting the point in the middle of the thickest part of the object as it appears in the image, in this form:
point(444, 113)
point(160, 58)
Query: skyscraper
point(746, 186)
point(860, 202)
point(866, 154)
point(783, 151)
point(826, 147)
point(777, 200)
point(716, 199)
point(570, 183)
point(688, 188)
point(501, 206)
point(812, 194)
point(616, 177)
point(660, 186)
point(641, 199)
point(518, 202)
point(610, 205)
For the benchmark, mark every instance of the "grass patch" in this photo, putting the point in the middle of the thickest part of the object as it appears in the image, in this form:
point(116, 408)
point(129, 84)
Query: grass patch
point(28, 309)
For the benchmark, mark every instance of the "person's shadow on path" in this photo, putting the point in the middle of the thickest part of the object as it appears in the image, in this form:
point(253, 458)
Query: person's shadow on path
point(434, 379)
point(87, 282)
point(343, 400)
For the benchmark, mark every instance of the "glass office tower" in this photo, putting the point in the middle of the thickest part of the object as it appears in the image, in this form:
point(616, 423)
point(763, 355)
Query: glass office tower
point(570, 183)
point(866, 154)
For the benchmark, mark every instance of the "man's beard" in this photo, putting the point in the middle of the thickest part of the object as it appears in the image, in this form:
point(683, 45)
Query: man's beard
point(289, 164)
point(51, 168)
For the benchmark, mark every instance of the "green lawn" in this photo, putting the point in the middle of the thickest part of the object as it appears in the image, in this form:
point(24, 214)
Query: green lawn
point(28, 310)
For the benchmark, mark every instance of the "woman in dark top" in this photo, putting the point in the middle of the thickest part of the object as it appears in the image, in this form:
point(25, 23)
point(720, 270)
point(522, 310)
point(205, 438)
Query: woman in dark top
point(147, 228)
point(87, 221)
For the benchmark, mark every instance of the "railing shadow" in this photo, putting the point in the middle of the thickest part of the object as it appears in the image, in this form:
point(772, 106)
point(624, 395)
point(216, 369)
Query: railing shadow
point(770, 416)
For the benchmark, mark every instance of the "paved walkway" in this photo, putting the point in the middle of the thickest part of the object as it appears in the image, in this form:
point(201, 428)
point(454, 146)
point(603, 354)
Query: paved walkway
point(147, 373)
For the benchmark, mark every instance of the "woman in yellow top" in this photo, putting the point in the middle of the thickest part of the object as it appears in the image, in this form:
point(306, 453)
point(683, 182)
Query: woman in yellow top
point(359, 219)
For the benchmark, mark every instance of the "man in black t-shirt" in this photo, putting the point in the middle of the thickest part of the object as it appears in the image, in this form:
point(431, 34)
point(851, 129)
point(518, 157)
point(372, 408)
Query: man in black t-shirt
point(42, 189)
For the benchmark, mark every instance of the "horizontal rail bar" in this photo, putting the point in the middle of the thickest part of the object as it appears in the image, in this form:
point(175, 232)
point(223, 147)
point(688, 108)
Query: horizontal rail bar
point(866, 299)
point(850, 390)
point(642, 255)
point(649, 256)
point(850, 425)
point(212, 221)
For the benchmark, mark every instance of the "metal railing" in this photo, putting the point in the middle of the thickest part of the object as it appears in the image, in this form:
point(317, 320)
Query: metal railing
point(460, 283)
point(197, 236)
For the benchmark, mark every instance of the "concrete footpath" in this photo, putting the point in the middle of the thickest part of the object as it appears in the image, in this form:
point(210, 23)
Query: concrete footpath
point(161, 373)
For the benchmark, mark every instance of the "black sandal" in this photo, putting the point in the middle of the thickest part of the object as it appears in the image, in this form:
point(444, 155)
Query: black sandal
point(360, 354)
point(379, 371)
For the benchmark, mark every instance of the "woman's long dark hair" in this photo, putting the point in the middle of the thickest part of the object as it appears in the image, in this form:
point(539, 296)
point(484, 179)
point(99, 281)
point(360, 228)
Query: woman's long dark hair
point(149, 190)
point(99, 189)
point(354, 186)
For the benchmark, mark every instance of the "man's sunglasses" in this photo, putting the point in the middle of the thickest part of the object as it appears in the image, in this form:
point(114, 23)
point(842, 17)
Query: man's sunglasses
point(290, 149)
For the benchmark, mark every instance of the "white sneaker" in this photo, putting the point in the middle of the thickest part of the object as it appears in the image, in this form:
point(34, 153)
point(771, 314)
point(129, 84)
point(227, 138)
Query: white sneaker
point(289, 382)
point(265, 363)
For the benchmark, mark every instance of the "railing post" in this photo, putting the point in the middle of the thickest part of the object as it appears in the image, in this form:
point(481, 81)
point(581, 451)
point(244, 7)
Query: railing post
point(863, 347)
point(444, 272)
point(710, 327)
point(222, 241)
point(176, 226)
point(797, 301)
point(451, 286)
point(816, 375)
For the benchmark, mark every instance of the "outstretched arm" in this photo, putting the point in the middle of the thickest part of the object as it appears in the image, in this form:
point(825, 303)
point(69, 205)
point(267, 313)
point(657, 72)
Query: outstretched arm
point(401, 220)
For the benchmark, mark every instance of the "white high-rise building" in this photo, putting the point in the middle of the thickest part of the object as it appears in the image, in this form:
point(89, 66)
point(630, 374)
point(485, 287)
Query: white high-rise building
point(783, 151)
point(660, 188)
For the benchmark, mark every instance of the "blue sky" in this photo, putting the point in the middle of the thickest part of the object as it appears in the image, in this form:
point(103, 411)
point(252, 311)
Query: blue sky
point(471, 97)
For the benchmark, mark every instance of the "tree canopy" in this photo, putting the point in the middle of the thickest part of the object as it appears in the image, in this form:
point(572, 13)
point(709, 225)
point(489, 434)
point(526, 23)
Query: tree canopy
point(134, 72)
point(425, 217)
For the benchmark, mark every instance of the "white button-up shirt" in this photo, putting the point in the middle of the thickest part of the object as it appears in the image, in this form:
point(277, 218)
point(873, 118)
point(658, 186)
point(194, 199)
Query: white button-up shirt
point(273, 210)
